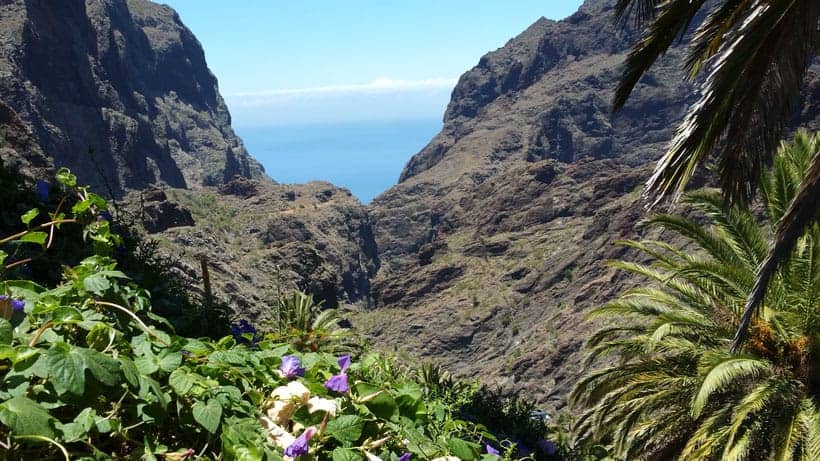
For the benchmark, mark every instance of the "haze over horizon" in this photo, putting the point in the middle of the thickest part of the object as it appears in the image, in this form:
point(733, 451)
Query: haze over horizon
point(328, 62)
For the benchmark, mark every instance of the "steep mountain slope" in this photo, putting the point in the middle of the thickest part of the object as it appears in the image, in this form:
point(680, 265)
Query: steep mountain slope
point(118, 90)
point(262, 240)
point(493, 244)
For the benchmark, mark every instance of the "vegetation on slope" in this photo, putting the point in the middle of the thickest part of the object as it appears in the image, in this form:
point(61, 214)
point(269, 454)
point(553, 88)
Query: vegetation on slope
point(90, 371)
point(675, 390)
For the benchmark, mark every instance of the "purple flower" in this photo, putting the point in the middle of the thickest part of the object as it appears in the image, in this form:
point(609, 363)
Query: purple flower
point(299, 446)
point(491, 450)
point(16, 304)
point(405, 457)
point(242, 330)
point(344, 362)
point(106, 216)
point(547, 446)
point(337, 383)
point(43, 188)
point(291, 367)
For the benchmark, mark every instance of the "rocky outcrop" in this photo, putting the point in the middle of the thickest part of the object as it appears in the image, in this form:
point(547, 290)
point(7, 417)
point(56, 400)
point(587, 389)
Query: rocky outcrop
point(261, 240)
point(493, 244)
point(118, 91)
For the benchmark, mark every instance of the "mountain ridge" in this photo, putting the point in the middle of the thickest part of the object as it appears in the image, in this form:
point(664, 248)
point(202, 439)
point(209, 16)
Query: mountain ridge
point(118, 91)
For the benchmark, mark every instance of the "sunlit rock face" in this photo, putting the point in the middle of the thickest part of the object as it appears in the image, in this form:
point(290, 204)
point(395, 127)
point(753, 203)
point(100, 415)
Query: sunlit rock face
point(492, 245)
point(118, 91)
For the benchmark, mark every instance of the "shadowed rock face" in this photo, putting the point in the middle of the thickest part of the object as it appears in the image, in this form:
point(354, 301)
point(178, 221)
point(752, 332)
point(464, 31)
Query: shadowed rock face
point(494, 241)
point(118, 91)
point(126, 79)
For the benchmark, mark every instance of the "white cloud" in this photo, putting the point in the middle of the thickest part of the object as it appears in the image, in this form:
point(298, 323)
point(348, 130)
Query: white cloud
point(382, 85)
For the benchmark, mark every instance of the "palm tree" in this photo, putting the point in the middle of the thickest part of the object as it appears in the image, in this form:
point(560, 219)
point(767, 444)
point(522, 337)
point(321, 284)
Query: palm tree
point(755, 55)
point(672, 389)
point(307, 325)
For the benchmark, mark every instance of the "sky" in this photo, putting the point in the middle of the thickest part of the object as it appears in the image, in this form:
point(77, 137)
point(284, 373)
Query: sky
point(327, 61)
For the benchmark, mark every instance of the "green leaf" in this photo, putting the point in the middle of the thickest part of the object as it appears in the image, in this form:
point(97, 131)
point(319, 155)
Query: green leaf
point(346, 454)
point(26, 417)
point(129, 370)
point(181, 381)
point(103, 367)
point(208, 414)
point(171, 361)
point(6, 332)
point(198, 347)
point(35, 237)
point(105, 424)
point(80, 206)
point(7, 352)
point(65, 177)
point(66, 314)
point(147, 365)
point(346, 428)
point(99, 336)
point(382, 406)
point(463, 449)
point(66, 367)
point(79, 428)
point(3, 256)
point(29, 216)
point(96, 284)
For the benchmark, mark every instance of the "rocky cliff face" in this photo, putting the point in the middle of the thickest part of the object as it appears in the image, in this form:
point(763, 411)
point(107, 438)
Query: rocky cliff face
point(262, 240)
point(493, 245)
point(118, 91)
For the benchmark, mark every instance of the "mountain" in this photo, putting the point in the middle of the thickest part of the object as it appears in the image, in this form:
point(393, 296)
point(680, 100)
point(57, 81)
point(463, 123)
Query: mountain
point(118, 91)
point(493, 244)
point(485, 257)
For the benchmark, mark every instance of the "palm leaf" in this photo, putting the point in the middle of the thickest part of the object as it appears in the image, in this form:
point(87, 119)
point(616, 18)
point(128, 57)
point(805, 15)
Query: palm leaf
point(803, 211)
point(672, 21)
point(723, 373)
point(753, 84)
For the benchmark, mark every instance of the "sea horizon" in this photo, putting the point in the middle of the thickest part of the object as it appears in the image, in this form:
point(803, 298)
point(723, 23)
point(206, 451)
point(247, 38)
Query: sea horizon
point(365, 157)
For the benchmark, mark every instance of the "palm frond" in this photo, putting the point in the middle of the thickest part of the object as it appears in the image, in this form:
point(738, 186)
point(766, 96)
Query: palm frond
point(723, 373)
point(641, 11)
point(804, 210)
point(709, 36)
point(753, 84)
point(670, 23)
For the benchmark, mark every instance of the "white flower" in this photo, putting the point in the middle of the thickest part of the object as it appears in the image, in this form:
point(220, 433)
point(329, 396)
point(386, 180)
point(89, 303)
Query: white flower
point(293, 391)
point(319, 404)
point(371, 456)
point(286, 400)
point(281, 411)
point(276, 433)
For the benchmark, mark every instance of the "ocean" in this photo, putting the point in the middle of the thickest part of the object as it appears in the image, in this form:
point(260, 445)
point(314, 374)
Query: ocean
point(365, 157)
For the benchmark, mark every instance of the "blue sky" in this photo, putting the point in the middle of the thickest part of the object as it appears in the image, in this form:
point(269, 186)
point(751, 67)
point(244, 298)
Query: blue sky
point(327, 61)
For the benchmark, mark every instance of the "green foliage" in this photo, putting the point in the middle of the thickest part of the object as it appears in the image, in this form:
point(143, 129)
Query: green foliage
point(90, 371)
point(670, 387)
point(306, 325)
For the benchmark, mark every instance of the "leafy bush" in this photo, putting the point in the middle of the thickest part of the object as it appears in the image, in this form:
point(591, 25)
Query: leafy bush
point(90, 371)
